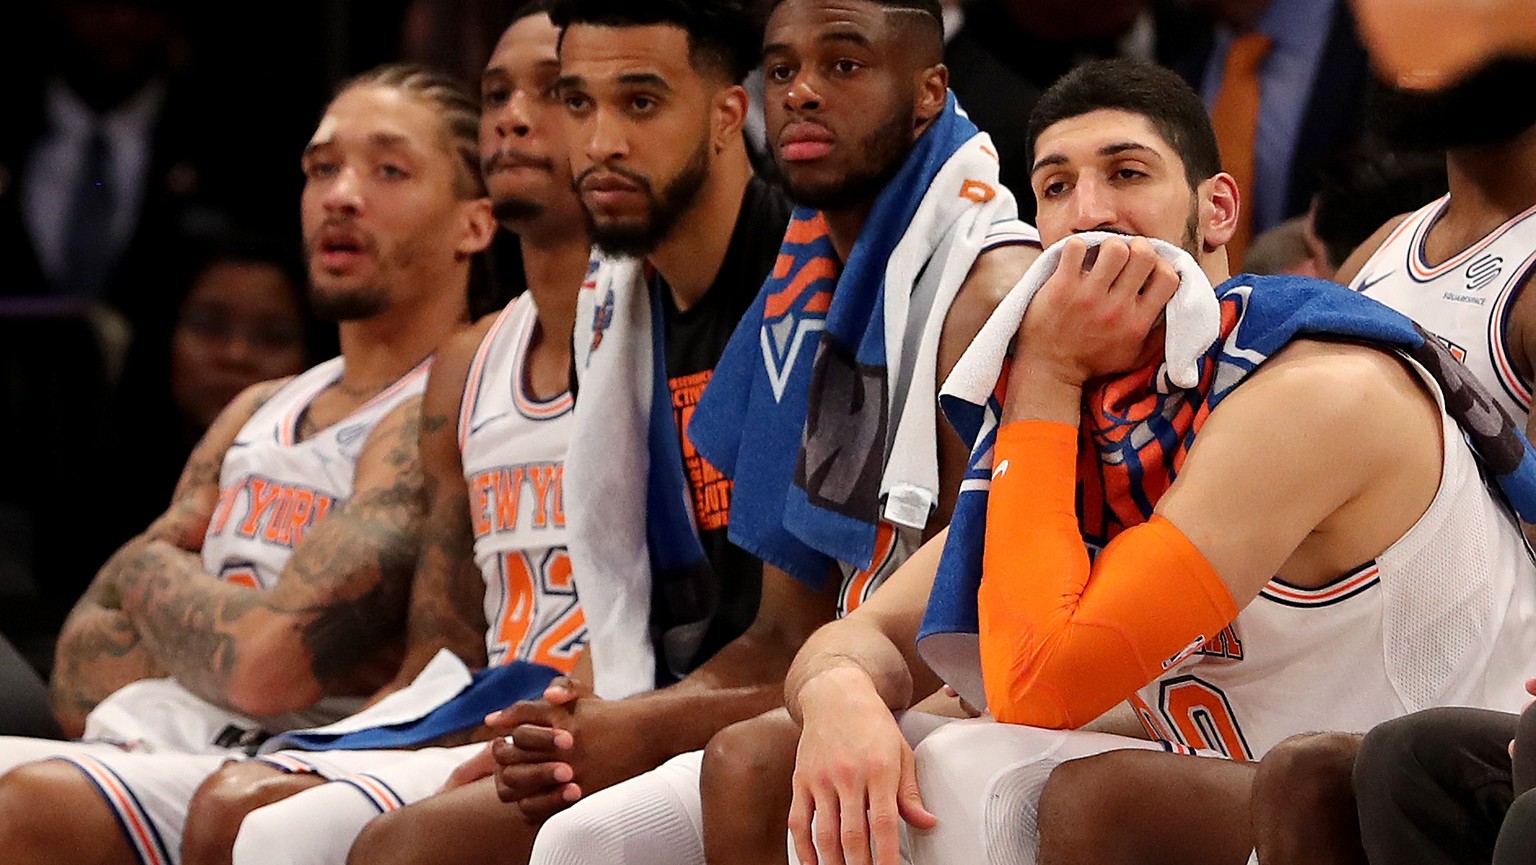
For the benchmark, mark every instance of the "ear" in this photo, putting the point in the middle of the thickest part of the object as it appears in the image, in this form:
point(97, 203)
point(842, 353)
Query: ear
point(730, 115)
point(932, 93)
point(1219, 206)
point(478, 228)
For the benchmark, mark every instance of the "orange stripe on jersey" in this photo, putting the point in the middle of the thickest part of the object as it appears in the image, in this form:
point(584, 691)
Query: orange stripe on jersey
point(1421, 268)
point(289, 764)
point(288, 433)
point(1342, 589)
point(288, 430)
point(405, 381)
point(130, 815)
point(1498, 342)
point(476, 372)
point(1412, 222)
point(526, 405)
point(377, 792)
point(858, 585)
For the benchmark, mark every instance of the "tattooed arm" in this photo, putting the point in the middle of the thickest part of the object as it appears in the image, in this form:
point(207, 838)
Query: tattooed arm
point(99, 649)
point(447, 591)
point(340, 597)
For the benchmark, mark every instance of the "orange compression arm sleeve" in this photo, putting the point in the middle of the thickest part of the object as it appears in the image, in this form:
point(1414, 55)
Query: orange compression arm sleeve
point(1061, 643)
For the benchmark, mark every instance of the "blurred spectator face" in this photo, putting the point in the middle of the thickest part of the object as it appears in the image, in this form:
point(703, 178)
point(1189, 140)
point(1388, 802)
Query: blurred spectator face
point(522, 134)
point(839, 100)
point(382, 212)
point(241, 324)
point(1289, 248)
point(1430, 44)
point(640, 122)
point(1110, 170)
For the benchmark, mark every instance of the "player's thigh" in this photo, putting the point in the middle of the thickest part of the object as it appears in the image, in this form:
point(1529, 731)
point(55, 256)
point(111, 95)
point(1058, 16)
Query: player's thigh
point(1147, 807)
point(50, 812)
point(468, 825)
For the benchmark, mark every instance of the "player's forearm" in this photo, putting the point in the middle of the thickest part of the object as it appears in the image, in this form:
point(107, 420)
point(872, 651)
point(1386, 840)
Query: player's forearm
point(850, 644)
point(188, 622)
point(98, 652)
point(743, 680)
point(1062, 640)
point(445, 610)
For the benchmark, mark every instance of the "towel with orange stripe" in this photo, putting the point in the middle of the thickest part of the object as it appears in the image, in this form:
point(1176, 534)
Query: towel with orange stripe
point(821, 408)
point(1138, 428)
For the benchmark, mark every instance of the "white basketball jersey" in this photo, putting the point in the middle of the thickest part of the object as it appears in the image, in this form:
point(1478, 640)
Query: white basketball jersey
point(513, 448)
point(273, 487)
point(1466, 300)
point(1446, 616)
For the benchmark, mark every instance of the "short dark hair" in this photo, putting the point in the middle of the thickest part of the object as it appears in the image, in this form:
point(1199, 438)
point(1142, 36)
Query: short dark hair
point(723, 36)
point(931, 12)
point(1140, 87)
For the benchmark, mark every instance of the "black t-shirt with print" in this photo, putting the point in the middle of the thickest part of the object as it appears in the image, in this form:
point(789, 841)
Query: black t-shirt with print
point(695, 338)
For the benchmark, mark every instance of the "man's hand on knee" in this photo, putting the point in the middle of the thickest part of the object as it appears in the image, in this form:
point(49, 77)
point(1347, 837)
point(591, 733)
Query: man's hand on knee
point(855, 779)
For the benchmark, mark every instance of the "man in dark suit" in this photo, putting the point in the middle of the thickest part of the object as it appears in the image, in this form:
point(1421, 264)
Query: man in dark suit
point(108, 157)
point(1312, 78)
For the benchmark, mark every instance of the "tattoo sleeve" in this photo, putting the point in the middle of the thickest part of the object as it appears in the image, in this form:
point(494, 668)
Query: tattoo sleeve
point(98, 652)
point(99, 648)
point(447, 592)
point(341, 596)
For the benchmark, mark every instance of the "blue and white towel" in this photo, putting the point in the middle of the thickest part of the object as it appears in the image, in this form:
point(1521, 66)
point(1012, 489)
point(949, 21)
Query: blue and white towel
point(445, 697)
point(821, 409)
point(627, 502)
point(1142, 424)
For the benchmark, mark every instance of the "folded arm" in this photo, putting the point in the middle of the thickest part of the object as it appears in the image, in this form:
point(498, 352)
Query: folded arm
point(99, 649)
point(340, 597)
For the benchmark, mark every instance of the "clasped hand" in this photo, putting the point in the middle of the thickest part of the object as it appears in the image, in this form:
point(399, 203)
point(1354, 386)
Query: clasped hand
point(552, 751)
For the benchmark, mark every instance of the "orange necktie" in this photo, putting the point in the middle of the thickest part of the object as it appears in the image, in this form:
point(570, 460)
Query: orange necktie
point(1235, 115)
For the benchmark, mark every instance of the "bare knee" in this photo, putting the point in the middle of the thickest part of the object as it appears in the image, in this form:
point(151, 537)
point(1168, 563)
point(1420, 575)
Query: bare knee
point(1131, 806)
point(1081, 806)
point(751, 753)
point(222, 802)
point(745, 789)
point(50, 813)
point(1304, 801)
point(385, 840)
point(1307, 772)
